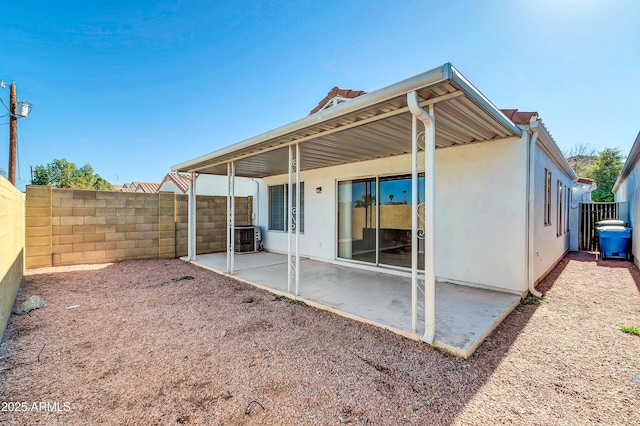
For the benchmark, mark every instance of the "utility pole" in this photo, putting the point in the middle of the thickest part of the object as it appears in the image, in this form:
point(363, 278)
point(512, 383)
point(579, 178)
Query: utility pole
point(13, 133)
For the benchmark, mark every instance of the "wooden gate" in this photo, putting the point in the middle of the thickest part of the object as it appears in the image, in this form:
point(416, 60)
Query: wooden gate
point(590, 213)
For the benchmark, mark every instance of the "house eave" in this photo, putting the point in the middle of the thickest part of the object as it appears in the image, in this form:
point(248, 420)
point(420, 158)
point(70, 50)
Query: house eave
point(385, 113)
point(629, 163)
point(552, 148)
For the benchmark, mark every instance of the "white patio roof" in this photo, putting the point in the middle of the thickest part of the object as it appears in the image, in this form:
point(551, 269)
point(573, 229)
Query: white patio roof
point(371, 126)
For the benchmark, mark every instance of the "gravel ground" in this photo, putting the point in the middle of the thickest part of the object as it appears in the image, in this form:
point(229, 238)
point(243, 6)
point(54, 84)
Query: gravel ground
point(149, 345)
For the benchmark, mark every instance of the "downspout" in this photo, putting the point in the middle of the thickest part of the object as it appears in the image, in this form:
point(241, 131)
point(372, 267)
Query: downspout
point(531, 214)
point(428, 120)
point(256, 219)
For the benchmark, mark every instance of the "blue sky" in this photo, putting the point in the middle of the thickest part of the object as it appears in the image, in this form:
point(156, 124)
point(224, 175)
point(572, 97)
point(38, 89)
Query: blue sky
point(134, 87)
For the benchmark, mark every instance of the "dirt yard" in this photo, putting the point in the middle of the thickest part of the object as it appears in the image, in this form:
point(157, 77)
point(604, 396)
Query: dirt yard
point(165, 342)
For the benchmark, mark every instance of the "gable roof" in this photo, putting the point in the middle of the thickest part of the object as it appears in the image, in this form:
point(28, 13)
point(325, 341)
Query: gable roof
point(148, 187)
point(337, 92)
point(179, 180)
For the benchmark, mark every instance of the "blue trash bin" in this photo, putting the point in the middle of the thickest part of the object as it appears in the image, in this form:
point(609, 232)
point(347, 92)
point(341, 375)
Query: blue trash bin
point(614, 241)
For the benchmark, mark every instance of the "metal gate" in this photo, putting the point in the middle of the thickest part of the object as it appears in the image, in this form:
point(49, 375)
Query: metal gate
point(590, 213)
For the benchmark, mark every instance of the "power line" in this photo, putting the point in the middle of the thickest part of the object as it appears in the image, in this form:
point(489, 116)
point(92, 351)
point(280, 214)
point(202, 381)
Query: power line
point(5, 105)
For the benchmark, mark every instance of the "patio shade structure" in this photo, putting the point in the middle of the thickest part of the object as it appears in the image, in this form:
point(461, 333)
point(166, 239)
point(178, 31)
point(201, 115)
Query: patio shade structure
point(436, 109)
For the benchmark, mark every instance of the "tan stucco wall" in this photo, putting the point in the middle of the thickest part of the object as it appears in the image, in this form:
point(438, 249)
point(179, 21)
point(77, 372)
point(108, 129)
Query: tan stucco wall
point(12, 237)
point(71, 227)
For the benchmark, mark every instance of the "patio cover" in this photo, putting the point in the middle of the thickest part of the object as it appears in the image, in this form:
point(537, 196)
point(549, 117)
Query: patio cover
point(371, 126)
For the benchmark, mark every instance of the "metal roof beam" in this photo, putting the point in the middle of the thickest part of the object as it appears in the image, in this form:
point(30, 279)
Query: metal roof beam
point(382, 116)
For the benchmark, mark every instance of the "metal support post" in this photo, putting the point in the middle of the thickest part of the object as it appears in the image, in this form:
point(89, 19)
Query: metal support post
point(191, 226)
point(231, 201)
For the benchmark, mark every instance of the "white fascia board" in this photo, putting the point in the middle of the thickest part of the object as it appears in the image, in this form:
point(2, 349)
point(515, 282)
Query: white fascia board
point(427, 78)
point(463, 84)
point(442, 73)
point(552, 148)
point(629, 164)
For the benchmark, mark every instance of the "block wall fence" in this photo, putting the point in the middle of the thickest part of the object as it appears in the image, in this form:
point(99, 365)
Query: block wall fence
point(12, 208)
point(71, 227)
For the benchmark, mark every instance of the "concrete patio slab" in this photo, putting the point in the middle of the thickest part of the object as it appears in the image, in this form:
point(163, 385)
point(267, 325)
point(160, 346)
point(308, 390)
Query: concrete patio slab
point(464, 315)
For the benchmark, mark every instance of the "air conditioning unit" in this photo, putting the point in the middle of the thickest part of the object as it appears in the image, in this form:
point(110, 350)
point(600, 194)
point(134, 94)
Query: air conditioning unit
point(246, 239)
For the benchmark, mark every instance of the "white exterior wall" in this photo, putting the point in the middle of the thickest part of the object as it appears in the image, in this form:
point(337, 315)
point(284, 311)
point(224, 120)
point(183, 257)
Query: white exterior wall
point(582, 193)
point(480, 211)
point(169, 186)
point(627, 190)
point(217, 185)
point(548, 247)
point(214, 185)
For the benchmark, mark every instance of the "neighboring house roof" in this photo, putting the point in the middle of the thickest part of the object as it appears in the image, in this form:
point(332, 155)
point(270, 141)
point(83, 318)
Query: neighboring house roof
point(127, 187)
point(337, 93)
point(586, 181)
point(148, 187)
point(179, 180)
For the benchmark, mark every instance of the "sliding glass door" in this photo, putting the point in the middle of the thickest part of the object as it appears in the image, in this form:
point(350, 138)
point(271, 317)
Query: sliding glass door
point(362, 217)
point(357, 219)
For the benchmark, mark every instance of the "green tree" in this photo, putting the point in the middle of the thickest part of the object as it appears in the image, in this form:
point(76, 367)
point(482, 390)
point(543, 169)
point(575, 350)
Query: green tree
point(64, 174)
point(606, 167)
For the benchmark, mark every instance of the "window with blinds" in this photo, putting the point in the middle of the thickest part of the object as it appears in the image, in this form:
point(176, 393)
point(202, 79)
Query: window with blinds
point(278, 196)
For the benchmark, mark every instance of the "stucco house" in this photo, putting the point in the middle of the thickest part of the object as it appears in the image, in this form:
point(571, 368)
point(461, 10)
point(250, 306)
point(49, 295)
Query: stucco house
point(627, 190)
point(420, 207)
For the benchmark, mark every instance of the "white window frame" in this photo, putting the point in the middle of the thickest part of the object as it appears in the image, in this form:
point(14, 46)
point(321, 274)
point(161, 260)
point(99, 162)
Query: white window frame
point(285, 216)
point(559, 208)
point(568, 209)
point(547, 197)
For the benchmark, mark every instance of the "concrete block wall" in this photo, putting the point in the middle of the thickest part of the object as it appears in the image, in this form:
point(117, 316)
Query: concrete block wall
point(70, 227)
point(166, 225)
point(38, 226)
point(12, 240)
point(211, 222)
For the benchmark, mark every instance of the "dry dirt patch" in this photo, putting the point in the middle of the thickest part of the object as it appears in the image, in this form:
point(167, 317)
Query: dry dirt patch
point(165, 342)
